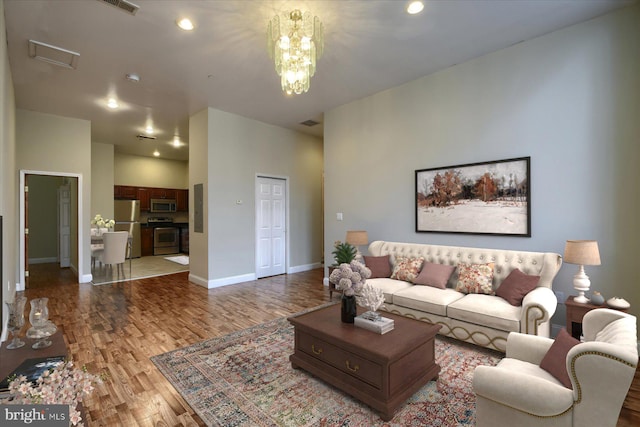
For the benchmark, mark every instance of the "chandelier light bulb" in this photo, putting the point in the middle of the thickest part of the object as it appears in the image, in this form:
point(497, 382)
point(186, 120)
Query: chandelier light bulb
point(295, 42)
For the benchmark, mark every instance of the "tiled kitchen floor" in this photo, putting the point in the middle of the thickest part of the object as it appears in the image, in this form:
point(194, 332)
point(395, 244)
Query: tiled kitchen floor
point(148, 266)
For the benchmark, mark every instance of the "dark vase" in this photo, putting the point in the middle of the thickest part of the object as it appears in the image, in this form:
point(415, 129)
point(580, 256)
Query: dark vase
point(348, 308)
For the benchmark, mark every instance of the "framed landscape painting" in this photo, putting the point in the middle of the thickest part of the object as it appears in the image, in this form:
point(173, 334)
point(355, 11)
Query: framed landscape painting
point(476, 198)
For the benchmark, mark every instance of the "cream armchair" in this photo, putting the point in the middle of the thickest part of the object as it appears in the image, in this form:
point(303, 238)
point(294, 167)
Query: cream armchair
point(517, 392)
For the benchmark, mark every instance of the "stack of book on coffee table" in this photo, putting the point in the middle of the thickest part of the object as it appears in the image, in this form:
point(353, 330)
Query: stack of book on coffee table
point(379, 324)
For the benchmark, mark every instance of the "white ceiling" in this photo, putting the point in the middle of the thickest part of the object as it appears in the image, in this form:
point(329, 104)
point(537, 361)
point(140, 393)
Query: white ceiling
point(370, 46)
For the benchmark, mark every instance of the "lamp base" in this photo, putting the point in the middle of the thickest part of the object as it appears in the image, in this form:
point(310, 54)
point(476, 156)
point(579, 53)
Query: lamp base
point(581, 298)
point(581, 283)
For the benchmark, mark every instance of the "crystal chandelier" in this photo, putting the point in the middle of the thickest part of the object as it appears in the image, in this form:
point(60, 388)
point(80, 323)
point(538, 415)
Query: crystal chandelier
point(295, 41)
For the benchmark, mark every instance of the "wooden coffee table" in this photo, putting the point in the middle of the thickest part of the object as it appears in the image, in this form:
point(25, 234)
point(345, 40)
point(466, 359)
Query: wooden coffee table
point(382, 371)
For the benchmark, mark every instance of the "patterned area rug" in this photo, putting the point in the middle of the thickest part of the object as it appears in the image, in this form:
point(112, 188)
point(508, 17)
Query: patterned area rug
point(245, 379)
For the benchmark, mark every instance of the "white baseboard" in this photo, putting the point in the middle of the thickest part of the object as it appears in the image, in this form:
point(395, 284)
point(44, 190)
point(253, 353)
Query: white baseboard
point(47, 260)
point(305, 267)
point(216, 283)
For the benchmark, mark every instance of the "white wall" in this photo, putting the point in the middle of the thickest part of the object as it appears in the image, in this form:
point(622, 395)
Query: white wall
point(59, 145)
point(237, 150)
point(568, 99)
point(143, 171)
point(8, 179)
point(199, 259)
point(102, 180)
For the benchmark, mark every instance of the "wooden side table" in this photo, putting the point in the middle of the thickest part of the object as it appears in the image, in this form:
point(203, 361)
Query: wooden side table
point(575, 313)
point(11, 359)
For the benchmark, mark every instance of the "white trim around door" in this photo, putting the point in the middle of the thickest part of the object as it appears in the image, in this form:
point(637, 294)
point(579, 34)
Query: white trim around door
point(82, 277)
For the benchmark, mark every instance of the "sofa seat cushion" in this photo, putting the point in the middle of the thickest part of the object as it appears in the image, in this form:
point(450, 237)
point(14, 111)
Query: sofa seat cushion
point(389, 287)
point(486, 310)
point(427, 299)
point(520, 366)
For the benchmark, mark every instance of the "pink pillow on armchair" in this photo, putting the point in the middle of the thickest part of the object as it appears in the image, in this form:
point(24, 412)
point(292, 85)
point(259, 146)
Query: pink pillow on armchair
point(555, 361)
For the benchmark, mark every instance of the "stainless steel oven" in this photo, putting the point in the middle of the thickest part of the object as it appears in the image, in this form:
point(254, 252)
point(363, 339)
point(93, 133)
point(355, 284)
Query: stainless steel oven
point(165, 240)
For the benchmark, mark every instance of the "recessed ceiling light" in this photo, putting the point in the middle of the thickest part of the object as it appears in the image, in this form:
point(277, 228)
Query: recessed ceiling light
point(149, 130)
point(156, 153)
point(112, 103)
point(176, 141)
point(415, 7)
point(185, 24)
point(132, 77)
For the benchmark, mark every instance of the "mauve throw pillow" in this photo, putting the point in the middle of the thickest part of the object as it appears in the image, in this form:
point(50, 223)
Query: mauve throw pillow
point(379, 266)
point(516, 285)
point(436, 275)
point(555, 361)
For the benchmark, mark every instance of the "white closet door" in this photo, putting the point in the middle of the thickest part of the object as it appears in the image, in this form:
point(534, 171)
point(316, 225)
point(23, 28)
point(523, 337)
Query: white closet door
point(270, 226)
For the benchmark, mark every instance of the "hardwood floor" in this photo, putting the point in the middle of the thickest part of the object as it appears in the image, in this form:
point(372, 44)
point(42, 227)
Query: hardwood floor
point(116, 328)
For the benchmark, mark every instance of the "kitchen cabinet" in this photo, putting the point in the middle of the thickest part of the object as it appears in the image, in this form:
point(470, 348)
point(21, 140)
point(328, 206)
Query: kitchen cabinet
point(143, 196)
point(146, 241)
point(125, 192)
point(162, 193)
point(182, 200)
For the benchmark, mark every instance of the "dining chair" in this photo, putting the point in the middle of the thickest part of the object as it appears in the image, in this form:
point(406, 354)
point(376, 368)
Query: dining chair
point(115, 249)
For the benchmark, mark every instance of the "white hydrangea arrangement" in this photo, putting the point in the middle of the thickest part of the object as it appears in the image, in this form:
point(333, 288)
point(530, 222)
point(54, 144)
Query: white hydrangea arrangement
point(350, 278)
point(370, 297)
point(62, 385)
point(102, 222)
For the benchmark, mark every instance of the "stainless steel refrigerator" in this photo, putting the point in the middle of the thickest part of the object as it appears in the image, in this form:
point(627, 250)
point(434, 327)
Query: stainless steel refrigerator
point(126, 214)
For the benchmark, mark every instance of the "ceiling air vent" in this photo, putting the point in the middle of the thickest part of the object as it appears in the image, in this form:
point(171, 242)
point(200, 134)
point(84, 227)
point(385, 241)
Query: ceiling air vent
point(142, 137)
point(124, 5)
point(53, 54)
point(309, 123)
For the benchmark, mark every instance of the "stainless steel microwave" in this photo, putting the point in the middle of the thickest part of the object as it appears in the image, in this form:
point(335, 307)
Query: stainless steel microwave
point(163, 205)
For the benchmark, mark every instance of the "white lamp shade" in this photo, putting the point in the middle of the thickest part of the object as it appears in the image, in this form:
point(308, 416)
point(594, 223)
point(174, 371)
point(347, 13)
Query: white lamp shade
point(582, 252)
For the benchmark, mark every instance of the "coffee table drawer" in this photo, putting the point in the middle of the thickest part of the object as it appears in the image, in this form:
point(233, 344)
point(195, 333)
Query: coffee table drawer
point(350, 363)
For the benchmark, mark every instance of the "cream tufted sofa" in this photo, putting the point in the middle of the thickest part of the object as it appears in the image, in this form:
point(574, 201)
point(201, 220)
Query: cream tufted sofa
point(485, 320)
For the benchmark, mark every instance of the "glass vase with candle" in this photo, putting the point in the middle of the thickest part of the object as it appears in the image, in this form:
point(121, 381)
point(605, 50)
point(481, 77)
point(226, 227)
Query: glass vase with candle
point(41, 328)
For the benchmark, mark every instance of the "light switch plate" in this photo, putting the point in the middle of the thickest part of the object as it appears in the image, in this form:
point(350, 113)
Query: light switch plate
point(339, 216)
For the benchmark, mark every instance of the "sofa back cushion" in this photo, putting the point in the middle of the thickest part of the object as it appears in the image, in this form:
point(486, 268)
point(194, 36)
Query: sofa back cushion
point(543, 264)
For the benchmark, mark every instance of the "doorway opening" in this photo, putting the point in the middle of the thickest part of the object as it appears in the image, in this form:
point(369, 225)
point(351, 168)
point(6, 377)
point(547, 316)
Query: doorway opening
point(51, 227)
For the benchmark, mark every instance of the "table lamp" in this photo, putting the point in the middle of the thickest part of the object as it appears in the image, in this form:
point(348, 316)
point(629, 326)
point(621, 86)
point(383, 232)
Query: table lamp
point(581, 252)
point(357, 238)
